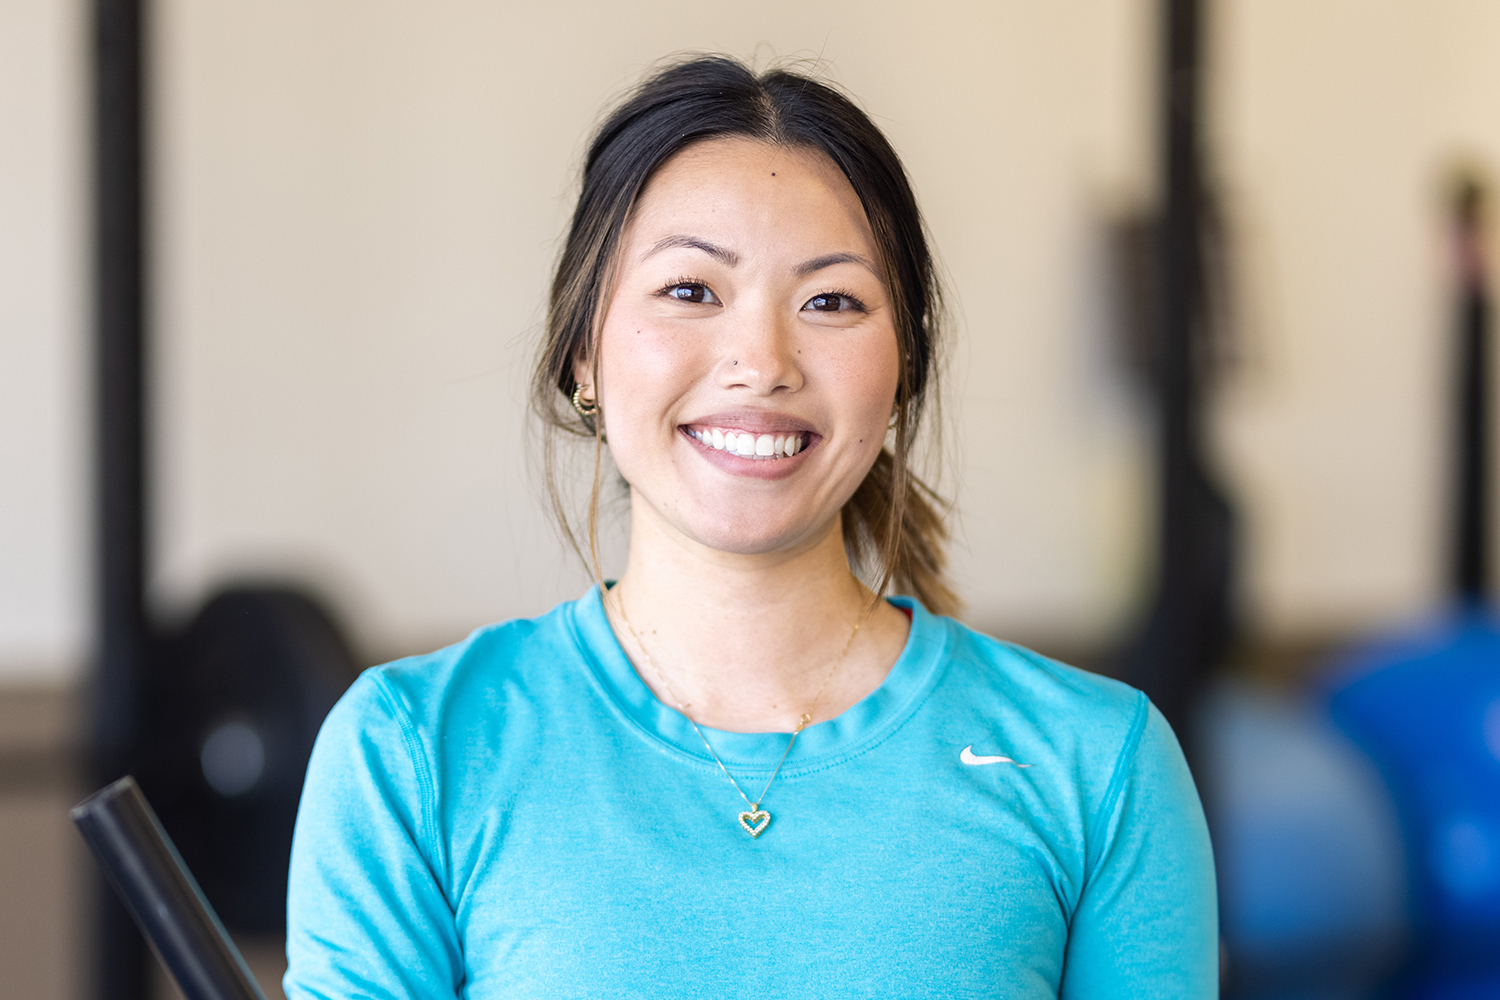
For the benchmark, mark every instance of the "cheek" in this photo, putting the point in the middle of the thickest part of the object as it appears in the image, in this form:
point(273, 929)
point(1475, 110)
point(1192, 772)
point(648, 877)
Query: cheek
point(642, 367)
point(869, 375)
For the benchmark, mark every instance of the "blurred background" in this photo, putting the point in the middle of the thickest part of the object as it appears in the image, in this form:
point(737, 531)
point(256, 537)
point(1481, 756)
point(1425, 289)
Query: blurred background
point(350, 214)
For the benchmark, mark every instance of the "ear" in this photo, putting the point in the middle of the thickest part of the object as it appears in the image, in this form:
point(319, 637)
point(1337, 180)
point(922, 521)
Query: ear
point(583, 370)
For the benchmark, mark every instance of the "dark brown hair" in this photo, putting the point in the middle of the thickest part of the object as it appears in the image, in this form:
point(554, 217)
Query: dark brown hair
point(893, 526)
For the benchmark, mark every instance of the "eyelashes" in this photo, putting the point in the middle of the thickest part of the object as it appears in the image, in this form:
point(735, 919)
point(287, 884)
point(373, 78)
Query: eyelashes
point(697, 292)
point(689, 290)
point(834, 300)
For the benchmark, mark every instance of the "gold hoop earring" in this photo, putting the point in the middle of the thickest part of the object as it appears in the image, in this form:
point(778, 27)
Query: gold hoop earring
point(586, 408)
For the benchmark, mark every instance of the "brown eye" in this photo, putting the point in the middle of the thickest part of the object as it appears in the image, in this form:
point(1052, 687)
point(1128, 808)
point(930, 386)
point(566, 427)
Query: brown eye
point(832, 302)
point(692, 292)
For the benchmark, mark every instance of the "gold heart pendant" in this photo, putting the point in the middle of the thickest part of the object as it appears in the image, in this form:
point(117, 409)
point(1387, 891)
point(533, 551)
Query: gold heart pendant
point(755, 821)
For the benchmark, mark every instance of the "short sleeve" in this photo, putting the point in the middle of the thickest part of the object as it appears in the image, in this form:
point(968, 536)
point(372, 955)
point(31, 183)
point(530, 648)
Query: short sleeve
point(1146, 925)
point(366, 913)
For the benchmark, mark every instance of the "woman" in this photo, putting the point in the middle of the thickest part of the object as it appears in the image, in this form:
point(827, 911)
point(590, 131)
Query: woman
point(737, 771)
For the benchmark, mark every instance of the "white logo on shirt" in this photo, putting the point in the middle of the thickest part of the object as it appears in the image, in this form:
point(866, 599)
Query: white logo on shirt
point(968, 757)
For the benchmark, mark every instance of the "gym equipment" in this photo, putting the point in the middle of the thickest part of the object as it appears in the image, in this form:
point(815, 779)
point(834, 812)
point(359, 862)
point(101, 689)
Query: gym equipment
point(158, 890)
point(1191, 616)
point(233, 704)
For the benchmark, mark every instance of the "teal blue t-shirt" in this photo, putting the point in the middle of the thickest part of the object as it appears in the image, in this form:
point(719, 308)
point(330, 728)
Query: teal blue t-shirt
point(518, 816)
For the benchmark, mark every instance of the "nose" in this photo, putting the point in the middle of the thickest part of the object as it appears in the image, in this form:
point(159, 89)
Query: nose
point(760, 354)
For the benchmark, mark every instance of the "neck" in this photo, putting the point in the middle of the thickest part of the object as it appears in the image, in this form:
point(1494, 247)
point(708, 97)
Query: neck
point(747, 642)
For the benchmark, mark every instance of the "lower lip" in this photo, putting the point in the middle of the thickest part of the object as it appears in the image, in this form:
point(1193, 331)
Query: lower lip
point(738, 465)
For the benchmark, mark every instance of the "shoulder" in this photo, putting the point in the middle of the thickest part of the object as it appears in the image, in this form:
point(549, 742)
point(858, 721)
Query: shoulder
point(1101, 752)
point(1081, 735)
point(492, 660)
point(419, 705)
point(1038, 690)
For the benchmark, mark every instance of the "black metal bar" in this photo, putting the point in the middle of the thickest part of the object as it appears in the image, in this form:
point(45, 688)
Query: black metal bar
point(161, 895)
point(121, 634)
point(1190, 616)
point(1471, 563)
point(1177, 272)
point(119, 317)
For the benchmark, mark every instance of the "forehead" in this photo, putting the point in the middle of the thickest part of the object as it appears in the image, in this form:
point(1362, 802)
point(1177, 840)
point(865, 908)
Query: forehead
point(758, 193)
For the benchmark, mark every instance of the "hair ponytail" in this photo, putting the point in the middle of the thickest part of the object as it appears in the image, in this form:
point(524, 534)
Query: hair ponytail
point(894, 525)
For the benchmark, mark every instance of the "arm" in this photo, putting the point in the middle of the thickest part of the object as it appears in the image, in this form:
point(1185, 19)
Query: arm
point(1146, 925)
point(366, 912)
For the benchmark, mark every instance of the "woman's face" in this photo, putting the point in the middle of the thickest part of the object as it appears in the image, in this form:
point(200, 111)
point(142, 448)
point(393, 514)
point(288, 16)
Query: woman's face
point(748, 358)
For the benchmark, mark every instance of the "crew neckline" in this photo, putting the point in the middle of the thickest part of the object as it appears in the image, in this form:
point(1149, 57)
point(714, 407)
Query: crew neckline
point(822, 745)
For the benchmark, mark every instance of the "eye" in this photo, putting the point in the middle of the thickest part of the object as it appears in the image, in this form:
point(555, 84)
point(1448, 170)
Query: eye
point(834, 302)
point(691, 291)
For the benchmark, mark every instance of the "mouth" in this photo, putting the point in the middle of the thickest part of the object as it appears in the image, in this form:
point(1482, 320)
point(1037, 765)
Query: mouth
point(759, 447)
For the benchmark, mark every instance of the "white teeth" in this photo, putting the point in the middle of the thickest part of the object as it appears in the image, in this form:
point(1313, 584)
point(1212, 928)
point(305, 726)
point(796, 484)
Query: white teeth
point(756, 446)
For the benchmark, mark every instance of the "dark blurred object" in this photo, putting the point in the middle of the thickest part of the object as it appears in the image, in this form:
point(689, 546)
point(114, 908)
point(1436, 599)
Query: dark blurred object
point(1471, 536)
point(233, 708)
point(122, 634)
point(1425, 705)
point(1134, 244)
point(138, 858)
point(1189, 623)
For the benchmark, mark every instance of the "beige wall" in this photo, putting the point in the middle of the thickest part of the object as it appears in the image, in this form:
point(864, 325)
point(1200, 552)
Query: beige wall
point(360, 203)
point(1339, 121)
point(43, 591)
point(357, 205)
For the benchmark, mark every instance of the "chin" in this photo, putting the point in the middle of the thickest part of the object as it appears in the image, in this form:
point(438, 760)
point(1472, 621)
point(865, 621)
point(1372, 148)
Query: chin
point(744, 517)
point(749, 532)
point(745, 546)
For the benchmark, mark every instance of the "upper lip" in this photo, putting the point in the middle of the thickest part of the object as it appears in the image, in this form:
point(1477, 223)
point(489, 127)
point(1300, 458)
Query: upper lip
point(754, 421)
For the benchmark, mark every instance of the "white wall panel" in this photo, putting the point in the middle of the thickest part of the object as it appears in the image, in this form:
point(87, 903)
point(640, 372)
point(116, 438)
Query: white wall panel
point(43, 379)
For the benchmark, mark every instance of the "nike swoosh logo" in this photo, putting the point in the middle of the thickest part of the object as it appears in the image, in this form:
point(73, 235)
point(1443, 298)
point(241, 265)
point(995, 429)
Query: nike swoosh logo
point(968, 757)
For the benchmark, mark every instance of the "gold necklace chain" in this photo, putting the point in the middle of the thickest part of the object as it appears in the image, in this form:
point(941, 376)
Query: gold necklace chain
point(753, 820)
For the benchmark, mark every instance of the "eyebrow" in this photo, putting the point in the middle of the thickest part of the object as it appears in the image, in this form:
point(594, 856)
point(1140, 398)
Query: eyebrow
point(830, 259)
point(715, 251)
point(732, 259)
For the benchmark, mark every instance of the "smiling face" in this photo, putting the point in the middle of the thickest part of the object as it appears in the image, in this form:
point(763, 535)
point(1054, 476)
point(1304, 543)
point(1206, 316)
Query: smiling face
point(748, 363)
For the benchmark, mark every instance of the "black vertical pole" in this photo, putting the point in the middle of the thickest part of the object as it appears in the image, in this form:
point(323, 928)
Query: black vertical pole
point(1190, 616)
point(1471, 570)
point(122, 634)
point(1178, 271)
